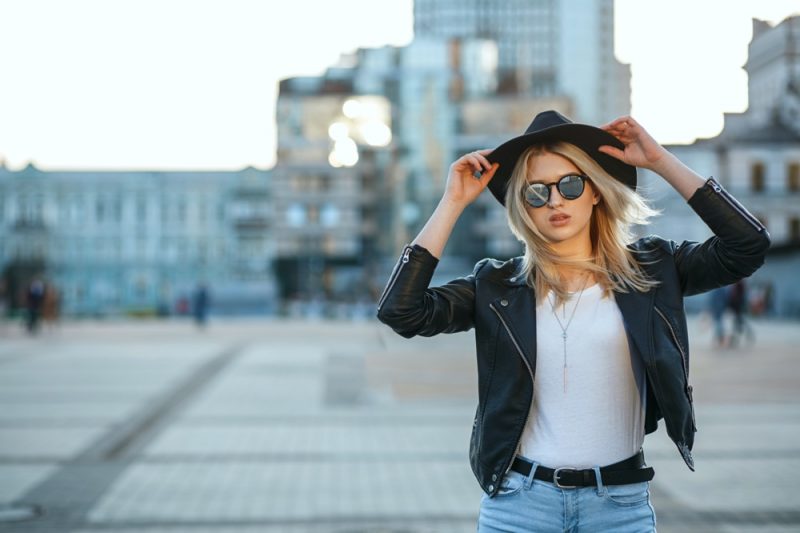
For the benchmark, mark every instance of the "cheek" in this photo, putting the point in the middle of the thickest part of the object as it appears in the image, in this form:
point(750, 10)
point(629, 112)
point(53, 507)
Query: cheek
point(584, 210)
point(538, 216)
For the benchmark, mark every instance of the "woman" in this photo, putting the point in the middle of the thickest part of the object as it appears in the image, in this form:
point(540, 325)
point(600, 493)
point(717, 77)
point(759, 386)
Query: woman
point(581, 343)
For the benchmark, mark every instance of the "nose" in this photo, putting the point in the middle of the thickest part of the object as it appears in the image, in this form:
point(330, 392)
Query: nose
point(555, 196)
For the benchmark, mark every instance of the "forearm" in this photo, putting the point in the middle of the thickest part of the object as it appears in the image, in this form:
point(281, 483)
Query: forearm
point(685, 180)
point(434, 235)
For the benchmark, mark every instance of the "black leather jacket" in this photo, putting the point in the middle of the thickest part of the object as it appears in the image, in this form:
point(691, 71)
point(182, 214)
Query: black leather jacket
point(498, 303)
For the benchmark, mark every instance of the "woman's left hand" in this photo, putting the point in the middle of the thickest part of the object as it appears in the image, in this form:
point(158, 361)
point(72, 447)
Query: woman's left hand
point(641, 150)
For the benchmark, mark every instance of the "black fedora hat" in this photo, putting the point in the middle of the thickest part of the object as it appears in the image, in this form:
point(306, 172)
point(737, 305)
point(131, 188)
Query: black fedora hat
point(551, 126)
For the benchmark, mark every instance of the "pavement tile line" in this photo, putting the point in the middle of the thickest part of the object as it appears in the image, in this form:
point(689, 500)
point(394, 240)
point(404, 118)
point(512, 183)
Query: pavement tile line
point(69, 494)
point(740, 397)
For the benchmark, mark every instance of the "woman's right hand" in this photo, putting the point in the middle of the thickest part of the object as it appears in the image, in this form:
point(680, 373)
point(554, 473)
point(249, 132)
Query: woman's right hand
point(462, 186)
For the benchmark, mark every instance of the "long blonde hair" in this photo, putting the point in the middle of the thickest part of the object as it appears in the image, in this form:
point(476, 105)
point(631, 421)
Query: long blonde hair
point(612, 262)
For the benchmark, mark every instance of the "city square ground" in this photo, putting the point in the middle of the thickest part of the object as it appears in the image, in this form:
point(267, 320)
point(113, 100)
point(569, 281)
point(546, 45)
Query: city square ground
point(336, 426)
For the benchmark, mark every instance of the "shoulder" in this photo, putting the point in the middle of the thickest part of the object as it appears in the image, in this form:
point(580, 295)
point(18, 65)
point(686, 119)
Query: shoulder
point(652, 247)
point(497, 270)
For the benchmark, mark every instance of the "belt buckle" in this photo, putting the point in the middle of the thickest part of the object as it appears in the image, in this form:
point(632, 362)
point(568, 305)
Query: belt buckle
point(555, 477)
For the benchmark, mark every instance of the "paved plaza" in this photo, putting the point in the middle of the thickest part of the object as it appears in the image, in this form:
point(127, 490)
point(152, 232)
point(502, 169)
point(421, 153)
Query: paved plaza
point(291, 426)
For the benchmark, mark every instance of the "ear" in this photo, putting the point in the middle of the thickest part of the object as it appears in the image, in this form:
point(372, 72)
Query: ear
point(595, 199)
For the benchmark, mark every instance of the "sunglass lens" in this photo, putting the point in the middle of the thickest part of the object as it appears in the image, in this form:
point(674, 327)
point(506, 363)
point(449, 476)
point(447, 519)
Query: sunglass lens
point(571, 187)
point(537, 194)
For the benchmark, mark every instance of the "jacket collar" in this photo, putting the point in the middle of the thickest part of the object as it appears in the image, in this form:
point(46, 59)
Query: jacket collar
point(516, 278)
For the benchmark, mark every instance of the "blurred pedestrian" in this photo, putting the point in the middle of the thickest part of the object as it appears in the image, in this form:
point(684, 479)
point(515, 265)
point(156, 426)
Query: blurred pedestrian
point(34, 301)
point(582, 343)
point(737, 303)
point(718, 302)
point(200, 303)
point(51, 305)
point(5, 301)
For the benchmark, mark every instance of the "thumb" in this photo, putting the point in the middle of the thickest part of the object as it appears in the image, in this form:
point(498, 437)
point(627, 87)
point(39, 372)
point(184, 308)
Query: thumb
point(613, 152)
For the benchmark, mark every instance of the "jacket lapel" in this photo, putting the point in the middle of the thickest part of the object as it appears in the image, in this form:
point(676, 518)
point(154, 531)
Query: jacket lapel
point(637, 310)
point(518, 309)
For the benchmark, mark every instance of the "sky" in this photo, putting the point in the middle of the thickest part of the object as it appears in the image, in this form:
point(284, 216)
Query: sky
point(192, 84)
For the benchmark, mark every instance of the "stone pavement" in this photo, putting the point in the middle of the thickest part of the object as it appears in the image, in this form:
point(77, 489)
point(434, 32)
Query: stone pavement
point(278, 426)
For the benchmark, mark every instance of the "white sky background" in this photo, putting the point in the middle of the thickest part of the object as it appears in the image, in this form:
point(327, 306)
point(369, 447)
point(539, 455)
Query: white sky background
point(192, 84)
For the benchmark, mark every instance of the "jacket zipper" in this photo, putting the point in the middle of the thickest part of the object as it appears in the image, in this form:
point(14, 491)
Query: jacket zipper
point(530, 373)
point(688, 388)
point(395, 275)
point(732, 202)
point(678, 344)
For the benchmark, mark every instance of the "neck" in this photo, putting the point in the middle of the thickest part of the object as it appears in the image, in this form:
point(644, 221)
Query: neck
point(574, 278)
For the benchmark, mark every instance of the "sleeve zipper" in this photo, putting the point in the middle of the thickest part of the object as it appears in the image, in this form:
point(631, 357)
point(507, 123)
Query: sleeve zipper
point(395, 274)
point(730, 200)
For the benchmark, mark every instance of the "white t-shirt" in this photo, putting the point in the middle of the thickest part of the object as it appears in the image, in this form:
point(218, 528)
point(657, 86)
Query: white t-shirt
point(599, 420)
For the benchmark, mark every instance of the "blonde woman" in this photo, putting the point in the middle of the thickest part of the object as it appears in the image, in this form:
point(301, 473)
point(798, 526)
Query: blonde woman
point(581, 343)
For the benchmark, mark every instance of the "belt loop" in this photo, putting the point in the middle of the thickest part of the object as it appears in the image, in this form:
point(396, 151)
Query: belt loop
point(601, 489)
point(529, 480)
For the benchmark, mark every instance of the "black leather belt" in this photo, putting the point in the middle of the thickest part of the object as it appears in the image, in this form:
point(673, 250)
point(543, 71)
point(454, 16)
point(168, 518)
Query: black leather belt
point(627, 471)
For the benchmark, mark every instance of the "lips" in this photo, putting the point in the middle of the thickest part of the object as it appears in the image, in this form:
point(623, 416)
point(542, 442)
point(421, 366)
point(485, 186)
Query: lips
point(558, 217)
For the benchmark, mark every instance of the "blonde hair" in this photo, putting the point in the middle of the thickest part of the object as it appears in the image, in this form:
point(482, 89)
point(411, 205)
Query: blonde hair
point(619, 208)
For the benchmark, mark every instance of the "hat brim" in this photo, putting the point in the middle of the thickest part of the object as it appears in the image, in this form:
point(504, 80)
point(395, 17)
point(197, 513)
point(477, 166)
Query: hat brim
point(587, 138)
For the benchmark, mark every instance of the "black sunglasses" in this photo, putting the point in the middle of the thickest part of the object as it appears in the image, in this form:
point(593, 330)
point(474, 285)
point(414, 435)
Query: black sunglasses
point(570, 187)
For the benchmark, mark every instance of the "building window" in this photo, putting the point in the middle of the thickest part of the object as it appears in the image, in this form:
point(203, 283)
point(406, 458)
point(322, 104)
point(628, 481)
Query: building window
point(757, 177)
point(794, 229)
point(141, 208)
point(100, 210)
point(793, 177)
point(296, 215)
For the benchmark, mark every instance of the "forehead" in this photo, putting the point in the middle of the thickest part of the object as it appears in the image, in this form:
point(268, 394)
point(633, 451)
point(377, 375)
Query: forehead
point(548, 166)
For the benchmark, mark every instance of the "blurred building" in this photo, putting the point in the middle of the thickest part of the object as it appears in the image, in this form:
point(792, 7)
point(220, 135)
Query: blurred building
point(363, 153)
point(332, 146)
point(546, 48)
point(446, 93)
point(756, 157)
point(138, 242)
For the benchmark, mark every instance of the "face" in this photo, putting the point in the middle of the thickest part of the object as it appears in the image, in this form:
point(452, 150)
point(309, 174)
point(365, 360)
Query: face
point(570, 227)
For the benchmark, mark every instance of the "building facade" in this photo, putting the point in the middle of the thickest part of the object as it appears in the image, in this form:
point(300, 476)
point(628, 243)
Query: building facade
point(137, 242)
point(757, 158)
point(546, 48)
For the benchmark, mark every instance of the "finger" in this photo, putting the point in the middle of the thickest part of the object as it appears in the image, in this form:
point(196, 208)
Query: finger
point(485, 162)
point(616, 123)
point(487, 176)
point(612, 151)
point(476, 163)
point(465, 160)
point(632, 122)
point(485, 151)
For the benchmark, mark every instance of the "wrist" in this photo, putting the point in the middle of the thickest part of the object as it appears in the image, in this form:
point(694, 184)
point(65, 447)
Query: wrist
point(663, 163)
point(451, 204)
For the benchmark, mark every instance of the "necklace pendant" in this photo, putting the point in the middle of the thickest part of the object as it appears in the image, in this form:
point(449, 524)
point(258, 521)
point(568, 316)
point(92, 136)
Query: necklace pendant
point(564, 335)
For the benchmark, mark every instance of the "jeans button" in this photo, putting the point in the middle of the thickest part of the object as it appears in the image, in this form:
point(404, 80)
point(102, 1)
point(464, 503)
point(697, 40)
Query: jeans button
point(491, 488)
point(494, 477)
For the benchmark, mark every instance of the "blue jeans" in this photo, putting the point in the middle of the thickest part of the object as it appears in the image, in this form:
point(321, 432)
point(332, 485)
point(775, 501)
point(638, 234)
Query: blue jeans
point(524, 504)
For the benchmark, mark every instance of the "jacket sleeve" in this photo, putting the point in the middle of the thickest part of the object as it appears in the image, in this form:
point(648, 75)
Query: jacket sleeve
point(736, 250)
point(412, 308)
